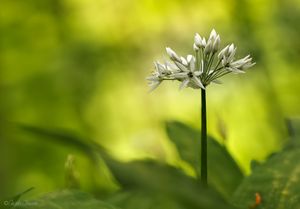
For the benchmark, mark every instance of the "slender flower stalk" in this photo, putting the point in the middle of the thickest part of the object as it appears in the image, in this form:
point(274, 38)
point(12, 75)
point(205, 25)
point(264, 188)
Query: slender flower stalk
point(197, 71)
point(203, 139)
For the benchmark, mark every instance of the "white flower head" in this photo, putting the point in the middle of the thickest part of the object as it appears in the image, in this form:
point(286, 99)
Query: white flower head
point(202, 69)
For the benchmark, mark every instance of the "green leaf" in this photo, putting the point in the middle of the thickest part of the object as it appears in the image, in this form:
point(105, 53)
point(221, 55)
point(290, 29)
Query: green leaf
point(253, 164)
point(59, 136)
point(167, 181)
point(149, 177)
point(9, 203)
point(138, 199)
point(223, 172)
point(277, 181)
point(66, 199)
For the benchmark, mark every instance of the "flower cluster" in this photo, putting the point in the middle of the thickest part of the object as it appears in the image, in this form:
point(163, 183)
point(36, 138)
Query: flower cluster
point(207, 65)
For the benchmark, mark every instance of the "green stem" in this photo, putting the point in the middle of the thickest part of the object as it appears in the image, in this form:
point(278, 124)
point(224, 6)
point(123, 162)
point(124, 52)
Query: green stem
point(203, 138)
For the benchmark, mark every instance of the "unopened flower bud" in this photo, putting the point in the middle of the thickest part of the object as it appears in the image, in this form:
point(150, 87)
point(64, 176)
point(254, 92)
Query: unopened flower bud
point(203, 42)
point(213, 35)
point(231, 53)
point(195, 47)
point(231, 48)
point(216, 44)
point(208, 48)
point(189, 58)
point(199, 42)
point(173, 54)
point(223, 52)
point(198, 39)
point(183, 61)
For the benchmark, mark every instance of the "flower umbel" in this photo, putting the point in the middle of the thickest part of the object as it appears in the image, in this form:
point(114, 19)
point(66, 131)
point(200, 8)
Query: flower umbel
point(207, 65)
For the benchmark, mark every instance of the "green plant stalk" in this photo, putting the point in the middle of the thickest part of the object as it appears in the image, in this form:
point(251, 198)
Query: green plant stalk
point(203, 138)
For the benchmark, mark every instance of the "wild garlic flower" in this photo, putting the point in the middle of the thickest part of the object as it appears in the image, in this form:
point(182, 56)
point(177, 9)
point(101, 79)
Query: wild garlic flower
point(204, 67)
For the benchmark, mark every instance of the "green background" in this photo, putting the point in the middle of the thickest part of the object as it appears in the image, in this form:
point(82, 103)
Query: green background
point(80, 65)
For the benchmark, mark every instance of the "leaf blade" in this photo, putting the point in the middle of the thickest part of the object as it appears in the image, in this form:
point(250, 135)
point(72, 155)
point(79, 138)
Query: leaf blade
point(219, 159)
point(65, 199)
point(276, 181)
point(166, 180)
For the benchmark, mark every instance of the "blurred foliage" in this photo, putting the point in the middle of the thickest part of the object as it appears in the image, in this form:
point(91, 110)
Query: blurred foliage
point(10, 202)
point(66, 199)
point(149, 184)
point(143, 182)
point(276, 181)
point(80, 66)
point(219, 160)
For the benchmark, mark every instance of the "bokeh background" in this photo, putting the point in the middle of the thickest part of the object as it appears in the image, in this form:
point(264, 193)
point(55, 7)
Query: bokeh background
point(80, 66)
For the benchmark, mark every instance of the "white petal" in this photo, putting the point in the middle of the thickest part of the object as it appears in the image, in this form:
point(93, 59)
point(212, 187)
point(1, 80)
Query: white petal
point(152, 78)
point(184, 61)
point(195, 47)
point(198, 40)
point(224, 61)
point(184, 83)
point(231, 48)
point(231, 54)
point(192, 63)
point(237, 64)
point(172, 54)
point(197, 73)
point(154, 85)
point(198, 82)
point(203, 42)
point(180, 75)
point(235, 70)
point(223, 52)
point(248, 65)
point(171, 66)
point(202, 66)
point(159, 67)
point(208, 47)
point(213, 35)
point(216, 81)
point(247, 57)
point(181, 66)
point(216, 44)
point(241, 62)
point(210, 72)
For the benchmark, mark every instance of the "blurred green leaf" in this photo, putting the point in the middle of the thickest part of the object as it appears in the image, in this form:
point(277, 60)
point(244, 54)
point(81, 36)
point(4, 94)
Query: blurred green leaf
point(254, 163)
point(277, 181)
point(223, 172)
point(66, 199)
point(143, 200)
point(91, 173)
point(150, 177)
point(60, 136)
point(161, 179)
point(8, 203)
